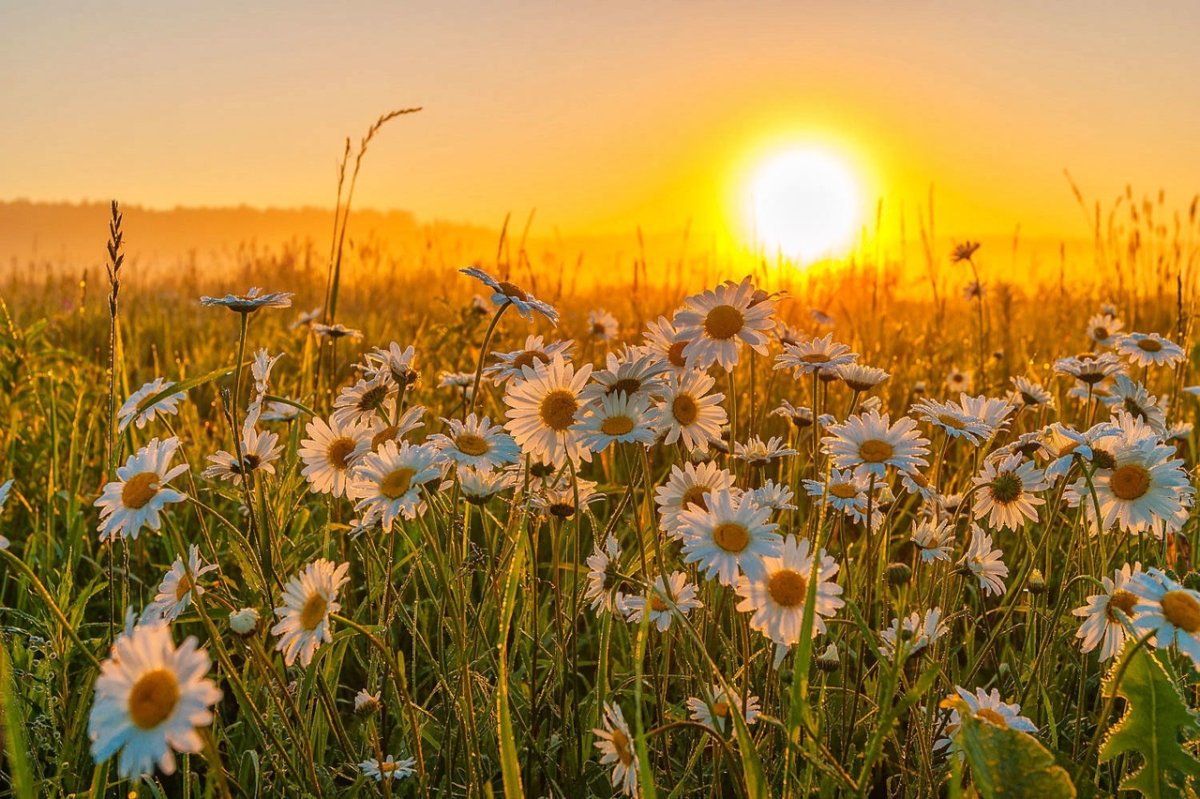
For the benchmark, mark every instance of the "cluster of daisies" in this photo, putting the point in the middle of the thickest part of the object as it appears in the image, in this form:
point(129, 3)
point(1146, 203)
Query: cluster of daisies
point(777, 521)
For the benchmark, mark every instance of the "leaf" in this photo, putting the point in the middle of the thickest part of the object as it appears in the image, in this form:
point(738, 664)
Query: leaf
point(15, 749)
point(1008, 762)
point(510, 765)
point(1155, 715)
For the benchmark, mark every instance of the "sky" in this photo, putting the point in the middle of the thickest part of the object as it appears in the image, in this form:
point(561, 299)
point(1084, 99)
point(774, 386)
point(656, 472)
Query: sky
point(603, 116)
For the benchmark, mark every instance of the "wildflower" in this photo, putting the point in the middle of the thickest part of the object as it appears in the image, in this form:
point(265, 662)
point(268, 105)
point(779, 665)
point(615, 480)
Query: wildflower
point(476, 443)
point(603, 325)
point(686, 488)
point(954, 420)
point(1135, 399)
point(958, 380)
point(675, 588)
point(913, 633)
point(565, 499)
point(1169, 610)
point(337, 331)
point(662, 338)
point(390, 769)
point(777, 593)
point(934, 540)
point(756, 452)
point(773, 495)
point(687, 413)
point(714, 714)
point(251, 301)
point(843, 491)
point(868, 443)
point(730, 533)
point(479, 486)
point(635, 372)
point(1006, 492)
point(604, 588)
point(542, 409)
point(715, 324)
point(616, 418)
point(387, 484)
point(362, 402)
point(1105, 329)
point(1030, 394)
point(508, 365)
point(1149, 349)
point(964, 251)
point(1089, 369)
point(860, 377)
point(259, 452)
point(615, 743)
point(139, 495)
point(985, 707)
point(366, 703)
point(309, 599)
point(176, 589)
point(150, 698)
point(1102, 626)
point(167, 406)
point(244, 622)
point(329, 453)
point(820, 355)
point(984, 562)
point(505, 293)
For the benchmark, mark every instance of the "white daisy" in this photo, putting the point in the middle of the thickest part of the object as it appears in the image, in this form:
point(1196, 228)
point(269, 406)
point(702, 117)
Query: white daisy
point(655, 603)
point(687, 413)
point(729, 534)
point(934, 540)
point(1102, 626)
point(714, 713)
point(953, 420)
point(1105, 329)
point(958, 380)
point(394, 363)
point(715, 324)
point(251, 301)
point(1090, 369)
point(259, 452)
point(167, 406)
point(843, 491)
point(509, 364)
point(868, 443)
point(636, 372)
point(604, 588)
point(686, 487)
point(542, 409)
point(914, 632)
point(390, 769)
point(1133, 397)
point(1030, 393)
point(279, 412)
point(1169, 610)
point(150, 698)
point(387, 484)
point(337, 331)
point(384, 430)
point(308, 600)
point(176, 589)
point(662, 339)
point(821, 355)
point(860, 377)
point(329, 452)
point(993, 412)
point(615, 743)
point(776, 496)
point(1005, 492)
point(1149, 349)
point(602, 325)
point(565, 499)
point(777, 594)
point(615, 419)
point(476, 443)
point(138, 496)
point(757, 452)
point(984, 562)
point(478, 486)
point(985, 707)
point(505, 293)
point(364, 401)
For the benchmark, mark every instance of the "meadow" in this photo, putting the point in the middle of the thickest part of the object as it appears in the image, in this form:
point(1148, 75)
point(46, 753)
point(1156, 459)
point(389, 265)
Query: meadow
point(697, 529)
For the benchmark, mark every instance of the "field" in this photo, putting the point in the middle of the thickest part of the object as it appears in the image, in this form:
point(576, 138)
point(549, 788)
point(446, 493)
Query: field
point(612, 587)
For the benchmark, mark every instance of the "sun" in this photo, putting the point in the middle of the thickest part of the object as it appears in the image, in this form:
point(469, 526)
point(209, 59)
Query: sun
point(805, 203)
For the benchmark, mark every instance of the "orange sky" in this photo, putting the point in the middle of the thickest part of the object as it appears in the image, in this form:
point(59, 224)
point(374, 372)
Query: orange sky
point(602, 115)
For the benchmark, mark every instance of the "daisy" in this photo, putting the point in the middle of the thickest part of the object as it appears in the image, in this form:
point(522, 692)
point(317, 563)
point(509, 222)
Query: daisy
point(166, 406)
point(564, 501)
point(508, 365)
point(756, 452)
point(329, 452)
point(952, 419)
point(773, 495)
point(140, 493)
point(604, 578)
point(603, 325)
point(714, 714)
point(777, 594)
point(685, 488)
point(991, 411)
point(383, 430)
point(1146, 485)
point(687, 413)
point(476, 443)
point(390, 769)
point(393, 363)
point(984, 562)
point(1169, 610)
point(1064, 445)
point(1089, 369)
point(655, 604)
point(636, 372)
point(1105, 329)
point(615, 419)
point(259, 452)
point(280, 412)
point(338, 331)
point(1006, 492)
point(176, 590)
point(1102, 626)
point(309, 599)
point(919, 484)
point(479, 486)
point(1030, 394)
point(843, 491)
point(1149, 349)
point(715, 324)
point(958, 380)
point(801, 417)
point(387, 483)
point(662, 339)
point(1133, 397)
point(985, 707)
point(306, 318)
point(729, 533)
point(150, 698)
point(251, 301)
point(615, 743)
point(820, 317)
point(362, 402)
point(542, 409)
point(860, 377)
point(934, 540)
point(915, 631)
point(868, 443)
point(505, 293)
point(366, 702)
point(819, 355)
point(244, 622)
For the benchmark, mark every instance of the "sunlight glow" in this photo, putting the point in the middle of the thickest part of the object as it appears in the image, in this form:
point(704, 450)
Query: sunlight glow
point(805, 203)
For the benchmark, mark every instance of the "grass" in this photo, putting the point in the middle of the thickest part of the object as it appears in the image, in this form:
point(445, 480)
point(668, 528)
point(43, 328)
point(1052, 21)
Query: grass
point(470, 622)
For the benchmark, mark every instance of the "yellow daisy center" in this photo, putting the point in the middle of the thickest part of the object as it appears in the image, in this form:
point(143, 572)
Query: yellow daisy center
point(139, 490)
point(1007, 488)
point(616, 426)
point(1130, 482)
point(387, 768)
point(182, 587)
point(313, 612)
point(787, 588)
point(675, 354)
point(721, 709)
point(339, 452)
point(528, 357)
point(1121, 600)
point(694, 496)
point(987, 714)
point(731, 536)
point(558, 409)
point(875, 451)
point(386, 434)
point(626, 385)
point(396, 483)
point(1149, 345)
point(685, 410)
point(1100, 333)
point(815, 357)
point(153, 698)
point(657, 604)
point(513, 291)
point(621, 744)
point(1182, 610)
point(843, 490)
point(723, 322)
point(471, 444)
point(953, 422)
